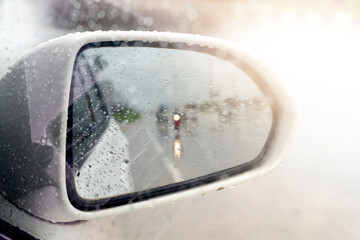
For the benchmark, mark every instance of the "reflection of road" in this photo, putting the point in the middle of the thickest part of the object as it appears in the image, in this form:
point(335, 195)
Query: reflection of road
point(209, 143)
point(146, 165)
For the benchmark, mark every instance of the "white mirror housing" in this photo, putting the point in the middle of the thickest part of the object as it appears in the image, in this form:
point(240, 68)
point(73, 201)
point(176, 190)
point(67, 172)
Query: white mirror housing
point(34, 98)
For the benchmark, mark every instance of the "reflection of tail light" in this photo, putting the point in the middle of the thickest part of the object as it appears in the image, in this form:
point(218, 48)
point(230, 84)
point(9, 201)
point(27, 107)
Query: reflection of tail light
point(177, 149)
point(176, 119)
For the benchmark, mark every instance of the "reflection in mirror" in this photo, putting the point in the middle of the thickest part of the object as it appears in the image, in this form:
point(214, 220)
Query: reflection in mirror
point(145, 117)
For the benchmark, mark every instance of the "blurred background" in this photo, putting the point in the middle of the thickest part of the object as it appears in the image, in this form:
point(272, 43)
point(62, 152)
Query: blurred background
point(313, 46)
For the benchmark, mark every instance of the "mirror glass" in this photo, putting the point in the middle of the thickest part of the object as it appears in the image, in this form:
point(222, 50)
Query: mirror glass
point(145, 117)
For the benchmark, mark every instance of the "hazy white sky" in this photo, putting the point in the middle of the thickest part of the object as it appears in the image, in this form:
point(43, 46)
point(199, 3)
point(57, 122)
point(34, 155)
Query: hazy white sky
point(148, 77)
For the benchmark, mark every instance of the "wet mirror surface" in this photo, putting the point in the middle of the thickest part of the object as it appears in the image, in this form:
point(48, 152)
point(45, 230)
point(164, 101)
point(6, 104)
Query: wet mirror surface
point(143, 117)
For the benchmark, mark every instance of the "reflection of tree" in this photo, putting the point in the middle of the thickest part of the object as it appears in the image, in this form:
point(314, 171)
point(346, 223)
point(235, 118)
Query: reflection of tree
point(232, 102)
point(123, 113)
point(208, 106)
point(229, 104)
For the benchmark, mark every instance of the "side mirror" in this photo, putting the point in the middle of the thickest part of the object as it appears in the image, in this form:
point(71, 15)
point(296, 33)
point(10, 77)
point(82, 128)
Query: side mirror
point(134, 119)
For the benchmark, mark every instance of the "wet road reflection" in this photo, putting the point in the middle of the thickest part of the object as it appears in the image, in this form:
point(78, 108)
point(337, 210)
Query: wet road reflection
point(163, 152)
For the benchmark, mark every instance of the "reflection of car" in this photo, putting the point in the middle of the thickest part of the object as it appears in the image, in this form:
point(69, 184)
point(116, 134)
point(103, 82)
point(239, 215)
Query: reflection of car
point(93, 130)
point(89, 112)
point(162, 114)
